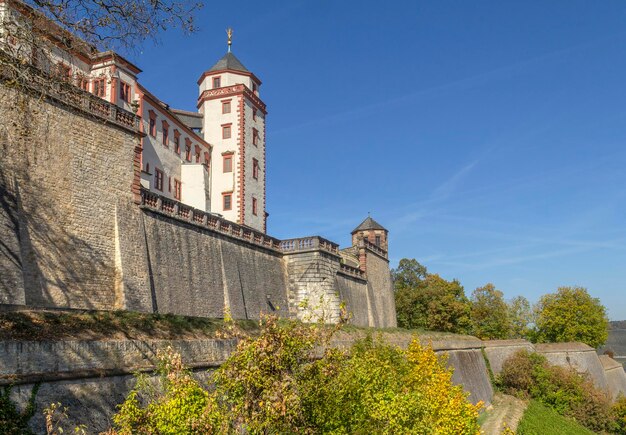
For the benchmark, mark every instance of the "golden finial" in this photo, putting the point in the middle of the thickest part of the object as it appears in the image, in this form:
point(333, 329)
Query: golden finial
point(229, 32)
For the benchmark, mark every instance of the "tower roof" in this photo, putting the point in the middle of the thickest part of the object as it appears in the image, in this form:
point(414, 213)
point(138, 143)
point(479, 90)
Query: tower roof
point(229, 61)
point(369, 224)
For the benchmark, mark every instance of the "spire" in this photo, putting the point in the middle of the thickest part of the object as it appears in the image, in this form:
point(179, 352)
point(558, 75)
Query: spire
point(229, 32)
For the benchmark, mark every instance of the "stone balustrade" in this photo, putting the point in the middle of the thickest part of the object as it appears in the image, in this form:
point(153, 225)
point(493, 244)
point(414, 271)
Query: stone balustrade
point(374, 248)
point(65, 92)
point(313, 243)
point(170, 207)
point(346, 269)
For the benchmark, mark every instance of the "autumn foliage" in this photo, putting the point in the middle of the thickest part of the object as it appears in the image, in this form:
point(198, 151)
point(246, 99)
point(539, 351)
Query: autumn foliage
point(271, 384)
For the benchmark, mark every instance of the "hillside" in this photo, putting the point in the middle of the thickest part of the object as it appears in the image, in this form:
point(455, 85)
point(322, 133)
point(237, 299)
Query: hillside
point(617, 341)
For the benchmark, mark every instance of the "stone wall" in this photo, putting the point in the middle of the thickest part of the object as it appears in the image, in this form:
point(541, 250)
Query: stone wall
point(381, 298)
point(57, 164)
point(615, 376)
point(498, 351)
point(354, 293)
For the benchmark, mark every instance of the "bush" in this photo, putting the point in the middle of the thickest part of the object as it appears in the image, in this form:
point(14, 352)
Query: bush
point(528, 374)
point(619, 410)
point(271, 385)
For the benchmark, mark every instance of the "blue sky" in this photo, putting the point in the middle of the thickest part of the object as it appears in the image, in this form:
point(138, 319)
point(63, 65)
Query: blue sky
point(489, 137)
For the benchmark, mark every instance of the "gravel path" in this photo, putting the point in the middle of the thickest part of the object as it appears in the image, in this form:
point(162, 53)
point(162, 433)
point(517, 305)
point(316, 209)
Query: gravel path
point(505, 409)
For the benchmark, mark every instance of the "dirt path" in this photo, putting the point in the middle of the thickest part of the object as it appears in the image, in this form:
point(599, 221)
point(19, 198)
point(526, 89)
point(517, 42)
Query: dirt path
point(505, 409)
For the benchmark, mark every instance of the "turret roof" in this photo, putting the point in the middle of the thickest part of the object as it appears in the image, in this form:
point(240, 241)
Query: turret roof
point(229, 61)
point(369, 224)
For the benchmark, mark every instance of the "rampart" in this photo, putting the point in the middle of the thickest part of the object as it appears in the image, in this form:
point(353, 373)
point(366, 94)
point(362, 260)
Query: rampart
point(78, 231)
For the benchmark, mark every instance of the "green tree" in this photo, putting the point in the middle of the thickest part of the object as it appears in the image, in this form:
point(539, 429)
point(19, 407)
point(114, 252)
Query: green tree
point(521, 317)
point(489, 314)
point(425, 300)
point(571, 314)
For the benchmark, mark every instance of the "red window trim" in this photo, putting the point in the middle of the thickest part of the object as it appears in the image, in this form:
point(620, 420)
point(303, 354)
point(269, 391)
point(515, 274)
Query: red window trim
point(124, 91)
point(226, 103)
point(224, 195)
point(177, 142)
point(99, 87)
point(219, 78)
point(230, 130)
point(254, 206)
point(152, 123)
point(166, 133)
point(187, 149)
point(255, 169)
point(255, 137)
point(226, 157)
point(177, 189)
point(158, 179)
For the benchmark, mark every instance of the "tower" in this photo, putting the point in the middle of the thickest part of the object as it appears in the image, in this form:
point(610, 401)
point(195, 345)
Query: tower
point(234, 123)
point(373, 232)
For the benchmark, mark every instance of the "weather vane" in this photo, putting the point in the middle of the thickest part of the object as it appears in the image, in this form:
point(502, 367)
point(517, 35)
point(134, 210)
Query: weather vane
point(229, 32)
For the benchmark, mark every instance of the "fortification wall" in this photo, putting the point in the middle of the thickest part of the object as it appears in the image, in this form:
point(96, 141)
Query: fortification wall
point(381, 299)
point(578, 356)
point(61, 173)
point(353, 292)
point(498, 351)
point(615, 376)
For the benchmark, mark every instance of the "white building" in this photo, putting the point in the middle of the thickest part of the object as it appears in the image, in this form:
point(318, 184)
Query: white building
point(212, 160)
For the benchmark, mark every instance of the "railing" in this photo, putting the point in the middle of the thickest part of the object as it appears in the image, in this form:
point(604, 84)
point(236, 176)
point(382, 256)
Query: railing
point(309, 244)
point(201, 218)
point(351, 270)
point(39, 81)
point(228, 90)
point(375, 248)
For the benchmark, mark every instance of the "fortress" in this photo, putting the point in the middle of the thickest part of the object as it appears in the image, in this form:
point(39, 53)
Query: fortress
point(111, 199)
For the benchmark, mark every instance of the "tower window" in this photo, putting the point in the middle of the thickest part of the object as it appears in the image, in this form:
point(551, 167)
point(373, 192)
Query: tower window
point(228, 163)
point(227, 199)
point(217, 82)
point(377, 240)
point(125, 92)
point(158, 179)
point(254, 206)
point(254, 114)
point(255, 137)
point(226, 131)
point(255, 169)
point(225, 107)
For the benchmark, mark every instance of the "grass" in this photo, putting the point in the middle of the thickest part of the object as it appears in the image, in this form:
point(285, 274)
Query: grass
point(541, 420)
point(111, 325)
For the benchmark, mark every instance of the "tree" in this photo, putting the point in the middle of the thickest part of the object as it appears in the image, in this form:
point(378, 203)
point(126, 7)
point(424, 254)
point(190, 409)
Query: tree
point(521, 317)
point(489, 314)
point(428, 301)
point(571, 314)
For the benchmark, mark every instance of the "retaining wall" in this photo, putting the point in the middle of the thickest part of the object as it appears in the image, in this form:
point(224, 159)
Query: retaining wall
point(615, 376)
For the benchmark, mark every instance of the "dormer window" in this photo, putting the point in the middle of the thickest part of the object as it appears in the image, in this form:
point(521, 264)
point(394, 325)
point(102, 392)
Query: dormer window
point(217, 82)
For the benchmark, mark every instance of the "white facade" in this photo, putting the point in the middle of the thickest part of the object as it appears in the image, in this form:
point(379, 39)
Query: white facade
point(234, 123)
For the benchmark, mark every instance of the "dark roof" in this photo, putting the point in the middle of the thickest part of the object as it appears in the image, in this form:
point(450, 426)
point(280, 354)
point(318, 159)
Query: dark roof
point(369, 224)
point(229, 61)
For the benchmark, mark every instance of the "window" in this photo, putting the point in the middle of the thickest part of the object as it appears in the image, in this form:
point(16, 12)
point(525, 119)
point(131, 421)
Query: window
point(177, 189)
point(187, 149)
point(152, 123)
point(125, 92)
point(255, 137)
point(99, 89)
point(254, 114)
point(254, 206)
point(158, 179)
point(83, 83)
point(169, 184)
point(377, 240)
point(255, 88)
point(228, 163)
point(226, 132)
point(255, 169)
point(198, 149)
point(217, 82)
point(227, 199)
point(176, 142)
point(207, 159)
point(166, 134)
point(226, 106)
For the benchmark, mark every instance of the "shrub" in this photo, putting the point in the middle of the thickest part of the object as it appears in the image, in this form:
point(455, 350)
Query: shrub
point(529, 374)
point(271, 385)
point(619, 410)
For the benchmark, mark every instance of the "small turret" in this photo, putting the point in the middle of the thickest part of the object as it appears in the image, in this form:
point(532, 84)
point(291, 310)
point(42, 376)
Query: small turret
point(372, 231)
